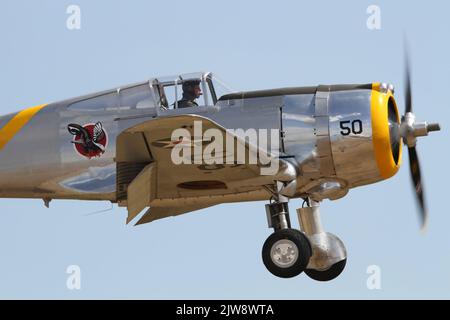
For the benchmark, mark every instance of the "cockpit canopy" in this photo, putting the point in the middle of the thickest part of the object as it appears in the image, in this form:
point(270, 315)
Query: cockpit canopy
point(162, 92)
point(170, 90)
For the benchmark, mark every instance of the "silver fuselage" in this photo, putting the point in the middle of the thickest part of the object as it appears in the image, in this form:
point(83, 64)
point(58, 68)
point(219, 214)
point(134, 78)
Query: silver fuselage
point(40, 160)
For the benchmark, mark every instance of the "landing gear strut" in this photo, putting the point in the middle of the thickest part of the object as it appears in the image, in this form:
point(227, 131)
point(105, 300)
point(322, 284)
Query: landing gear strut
point(287, 251)
point(329, 254)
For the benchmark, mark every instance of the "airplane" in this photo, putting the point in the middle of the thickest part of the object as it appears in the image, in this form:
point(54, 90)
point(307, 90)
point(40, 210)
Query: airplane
point(313, 143)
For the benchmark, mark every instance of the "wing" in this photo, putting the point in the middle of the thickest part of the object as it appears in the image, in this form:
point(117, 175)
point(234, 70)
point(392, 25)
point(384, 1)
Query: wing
point(173, 172)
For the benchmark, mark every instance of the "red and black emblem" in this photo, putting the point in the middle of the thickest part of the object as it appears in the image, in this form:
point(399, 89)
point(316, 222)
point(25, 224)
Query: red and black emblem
point(90, 140)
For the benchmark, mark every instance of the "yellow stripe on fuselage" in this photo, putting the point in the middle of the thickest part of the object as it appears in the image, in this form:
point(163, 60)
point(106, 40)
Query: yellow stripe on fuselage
point(17, 123)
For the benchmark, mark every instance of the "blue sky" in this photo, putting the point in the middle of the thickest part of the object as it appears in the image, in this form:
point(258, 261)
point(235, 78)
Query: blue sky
point(216, 253)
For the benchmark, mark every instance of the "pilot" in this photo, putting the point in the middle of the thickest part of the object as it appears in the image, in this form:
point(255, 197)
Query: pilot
point(191, 92)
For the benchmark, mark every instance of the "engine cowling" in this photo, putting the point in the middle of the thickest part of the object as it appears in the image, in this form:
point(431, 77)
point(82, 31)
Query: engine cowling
point(349, 136)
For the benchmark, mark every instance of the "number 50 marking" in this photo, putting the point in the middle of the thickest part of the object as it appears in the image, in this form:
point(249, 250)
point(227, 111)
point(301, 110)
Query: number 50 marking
point(347, 127)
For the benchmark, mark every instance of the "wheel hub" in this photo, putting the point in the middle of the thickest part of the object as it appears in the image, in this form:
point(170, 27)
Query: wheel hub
point(284, 253)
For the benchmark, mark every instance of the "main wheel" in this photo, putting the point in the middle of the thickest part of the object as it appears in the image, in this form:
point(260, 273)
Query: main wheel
point(286, 253)
point(333, 272)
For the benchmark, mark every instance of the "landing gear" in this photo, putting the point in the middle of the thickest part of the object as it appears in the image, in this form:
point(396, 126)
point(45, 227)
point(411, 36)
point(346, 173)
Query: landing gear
point(333, 272)
point(287, 251)
point(329, 254)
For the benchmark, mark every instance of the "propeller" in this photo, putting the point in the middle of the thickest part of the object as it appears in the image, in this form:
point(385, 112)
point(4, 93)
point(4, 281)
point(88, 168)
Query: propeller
point(409, 131)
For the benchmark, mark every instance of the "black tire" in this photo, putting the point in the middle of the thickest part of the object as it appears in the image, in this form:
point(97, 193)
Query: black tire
point(327, 275)
point(296, 238)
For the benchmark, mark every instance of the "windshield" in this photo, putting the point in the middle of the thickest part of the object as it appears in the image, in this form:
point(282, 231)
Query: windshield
point(218, 87)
